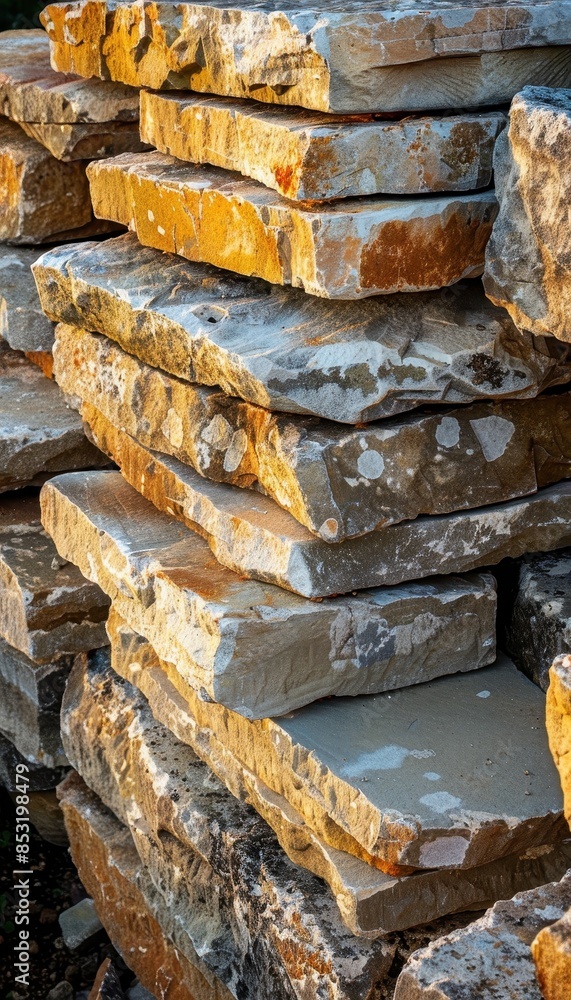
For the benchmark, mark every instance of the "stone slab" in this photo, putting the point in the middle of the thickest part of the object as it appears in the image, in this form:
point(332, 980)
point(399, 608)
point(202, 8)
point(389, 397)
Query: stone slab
point(107, 985)
point(133, 774)
point(491, 959)
point(339, 482)
point(536, 613)
point(79, 141)
point(424, 794)
point(259, 540)
point(79, 923)
point(284, 350)
point(312, 156)
point(39, 433)
point(337, 57)
point(23, 325)
point(37, 777)
point(551, 952)
point(217, 217)
point(224, 633)
point(527, 265)
point(559, 723)
point(47, 608)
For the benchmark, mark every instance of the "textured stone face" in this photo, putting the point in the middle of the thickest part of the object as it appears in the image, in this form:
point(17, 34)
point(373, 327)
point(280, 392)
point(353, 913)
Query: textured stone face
point(338, 482)
point(527, 266)
point(335, 58)
point(225, 633)
point(86, 142)
point(285, 350)
point(491, 959)
point(337, 251)
point(47, 608)
point(315, 156)
point(23, 325)
point(551, 952)
point(559, 723)
point(38, 777)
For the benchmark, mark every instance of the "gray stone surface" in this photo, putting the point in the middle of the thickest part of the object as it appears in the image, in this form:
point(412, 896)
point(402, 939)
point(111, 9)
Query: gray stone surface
point(224, 634)
point(389, 244)
point(47, 608)
point(338, 482)
point(261, 541)
point(79, 923)
point(39, 433)
point(78, 141)
point(491, 959)
point(282, 349)
point(37, 777)
point(23, 324)
point(313, 156)
point(334, 57)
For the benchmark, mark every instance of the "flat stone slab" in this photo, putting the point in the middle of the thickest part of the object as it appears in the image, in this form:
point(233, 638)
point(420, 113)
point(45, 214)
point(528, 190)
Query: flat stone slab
point(79, 923)
point(339, 482)
point(133, 776)
point(491, 959)
point(38, 777)
point(258, 540)
point(337, 57)
point(224, 633)
point(39, 433)
point(284, 350)
point(86, 142)
point(389, 245)
point(47, 608)
point(397, 780)
point(313, 156)
point(527, 267)
point(551, 952)
point(559, 723)
point(23, 324)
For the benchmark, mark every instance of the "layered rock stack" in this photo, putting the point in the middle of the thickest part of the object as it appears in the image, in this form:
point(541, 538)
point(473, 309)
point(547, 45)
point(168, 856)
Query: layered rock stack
point(304, 743)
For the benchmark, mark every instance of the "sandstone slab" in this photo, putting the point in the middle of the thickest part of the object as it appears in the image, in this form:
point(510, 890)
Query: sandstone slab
point(259, 540)
point(284, 350)
point(309, 156)
point(79, 141)
point(491, 959)
point(559, 723)
point(226, 634)
point(551, 952)
point(214, 216)
point(338, 57)
point(339, 482)
point(39, 433)
point(23, 324)
point(47, 608)
point(39, 778)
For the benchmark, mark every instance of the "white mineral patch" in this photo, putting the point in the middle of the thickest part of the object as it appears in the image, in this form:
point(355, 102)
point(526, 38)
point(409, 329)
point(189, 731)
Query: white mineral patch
point(494, 434)
point(440, 802)
point(448, 432)
point(370, 464)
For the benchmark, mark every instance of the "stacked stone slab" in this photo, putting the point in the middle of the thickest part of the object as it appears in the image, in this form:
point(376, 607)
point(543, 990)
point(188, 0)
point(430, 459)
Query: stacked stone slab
point(314, 479)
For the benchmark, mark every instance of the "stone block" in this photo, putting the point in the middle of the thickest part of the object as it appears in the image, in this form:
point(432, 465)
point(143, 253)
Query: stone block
point(38, 777)
point(287, 351)
point(39, 433)
point(79, 923)
point(337, 481)
point(551, 952)
point(47, 608)
point(338, 58)
point(210, 215)
point(559, 724)
point(107, 985)
point(224, 634)
point(77, 141)
point(23, 324)
point(309, 156)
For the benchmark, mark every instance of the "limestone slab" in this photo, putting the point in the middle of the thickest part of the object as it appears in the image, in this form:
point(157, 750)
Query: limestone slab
point(336, 57)
point(527, 265)
point(226, 634)
point(38, 777)
point(490, 959)
point(559, 723)
point(551, 952)
point(23, 324)
point(537, 614)
point(47, 608)
point(309, 156)
point(218, 217)
point(39, 433)
point(287, 351)
point(339, 482)
point(259, 540)
point(77, 141)
point(133, 776)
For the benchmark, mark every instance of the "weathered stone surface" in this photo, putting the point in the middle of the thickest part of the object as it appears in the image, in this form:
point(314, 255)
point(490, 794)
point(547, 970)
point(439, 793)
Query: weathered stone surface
point(261, 541)
point(224, 633)
point(39, 433)
point(285, 350)
point(86, 141)
point(491, 959)
point(527, 262)
point(44, 361)
point(22, 322)
point(79, 923)
point(214, 216)
point(338, 482)
point(444, 801)
point(337, 58)
point(536, 612)
point(47, 817)
point(559, 723)
point(134, 914)
point(37, 777)
point(107, 985)
point(47, 608)
point(316, 156)
point(551, 952)
point(133, 774)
